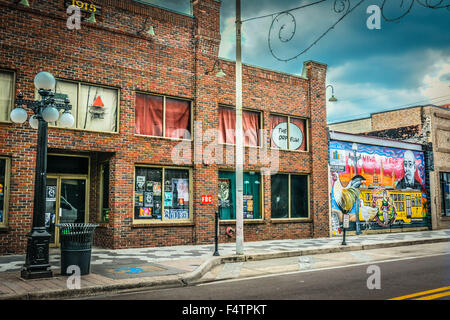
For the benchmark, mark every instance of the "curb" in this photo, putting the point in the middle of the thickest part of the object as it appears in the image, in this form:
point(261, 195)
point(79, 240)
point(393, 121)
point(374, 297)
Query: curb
point(189, 278)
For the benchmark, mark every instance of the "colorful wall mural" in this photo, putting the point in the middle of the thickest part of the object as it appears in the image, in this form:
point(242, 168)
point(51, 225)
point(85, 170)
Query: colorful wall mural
point(379, 187)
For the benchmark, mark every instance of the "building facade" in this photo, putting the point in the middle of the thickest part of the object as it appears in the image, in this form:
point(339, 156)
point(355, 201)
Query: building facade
point(427, 125)
point(154, 130)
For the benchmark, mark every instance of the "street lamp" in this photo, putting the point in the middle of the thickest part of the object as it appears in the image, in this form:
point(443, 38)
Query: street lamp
point(45, 110)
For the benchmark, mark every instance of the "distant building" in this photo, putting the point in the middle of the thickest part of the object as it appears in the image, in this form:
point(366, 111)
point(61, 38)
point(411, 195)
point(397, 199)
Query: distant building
point(428, 125)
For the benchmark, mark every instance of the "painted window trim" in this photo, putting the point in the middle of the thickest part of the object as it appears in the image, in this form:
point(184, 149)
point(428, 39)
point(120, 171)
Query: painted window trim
point(289, 218)
point(142, 222)
point(289, 121)
point(6, 189)
point(101, 186)
point(164, 96)
point(13, 98)
point(79, 84)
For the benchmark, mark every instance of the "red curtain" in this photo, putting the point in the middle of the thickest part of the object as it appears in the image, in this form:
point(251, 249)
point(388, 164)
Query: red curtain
point(301, 124)
point(227, 126)
point(178, 120)
point(149, 114)
point(250, 125)
point(274, 121)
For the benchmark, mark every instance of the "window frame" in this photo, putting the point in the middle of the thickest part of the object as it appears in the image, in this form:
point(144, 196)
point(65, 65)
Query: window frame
point(289, 218)
point(76, 116)
point(13, 98)
point(441, 185)
point(6, 188)
point(191, 111)
point(261, 197)
point(164, 221)
point(288, 140)
point(261, 126)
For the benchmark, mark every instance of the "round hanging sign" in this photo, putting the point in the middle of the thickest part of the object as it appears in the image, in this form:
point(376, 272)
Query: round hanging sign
point(280, 136)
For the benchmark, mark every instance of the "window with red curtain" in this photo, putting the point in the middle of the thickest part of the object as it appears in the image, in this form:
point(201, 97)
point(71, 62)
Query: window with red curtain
point(178, 120)
point(274, 122)
point(250, 126)
point(281, 137)
point(149, 115)
point(297, 142)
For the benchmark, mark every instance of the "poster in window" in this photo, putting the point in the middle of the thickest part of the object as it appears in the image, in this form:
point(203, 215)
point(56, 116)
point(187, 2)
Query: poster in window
point(167, 186)
point(248, 206)
point(149, 186)
point(145, 212)
point(148, 199)
point(156, 188)
point(167, 199)
point(172, 214)
point(224, 193)
point(51, 193)
point(1, 189)
point(140, 180)
point(180, 189)
point(139, 200)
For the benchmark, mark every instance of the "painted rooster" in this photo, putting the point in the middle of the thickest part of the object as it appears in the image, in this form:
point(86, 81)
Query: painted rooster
point(347, 196)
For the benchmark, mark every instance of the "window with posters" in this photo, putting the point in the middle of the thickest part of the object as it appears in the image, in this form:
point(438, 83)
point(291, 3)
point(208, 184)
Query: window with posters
point(251, 196)
point(4, 180)
point(162, 194)
point(445, 193)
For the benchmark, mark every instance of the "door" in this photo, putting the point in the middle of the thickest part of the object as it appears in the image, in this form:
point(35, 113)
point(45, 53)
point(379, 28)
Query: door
point(66, 203)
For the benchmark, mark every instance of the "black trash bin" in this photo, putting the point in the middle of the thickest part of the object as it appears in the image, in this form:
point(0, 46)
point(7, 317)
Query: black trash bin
point(76, 246)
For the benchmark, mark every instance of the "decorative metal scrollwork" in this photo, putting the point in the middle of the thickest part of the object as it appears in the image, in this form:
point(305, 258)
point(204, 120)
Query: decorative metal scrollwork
point(286, 23)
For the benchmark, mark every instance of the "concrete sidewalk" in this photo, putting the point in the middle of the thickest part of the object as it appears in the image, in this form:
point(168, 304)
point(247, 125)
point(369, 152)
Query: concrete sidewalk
point(146, 268)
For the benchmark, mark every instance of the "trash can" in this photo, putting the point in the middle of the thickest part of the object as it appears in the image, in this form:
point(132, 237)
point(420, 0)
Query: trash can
point(76, 245)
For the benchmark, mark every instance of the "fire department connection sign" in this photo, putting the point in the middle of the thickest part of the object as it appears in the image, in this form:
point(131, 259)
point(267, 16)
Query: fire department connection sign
point(280, 136)
point(206, 199)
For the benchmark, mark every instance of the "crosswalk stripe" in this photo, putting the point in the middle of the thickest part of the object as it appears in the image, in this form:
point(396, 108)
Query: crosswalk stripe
point(435, 296)
point(422, 293)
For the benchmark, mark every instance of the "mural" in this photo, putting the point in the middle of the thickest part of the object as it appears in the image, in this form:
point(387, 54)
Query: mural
point(379, 187)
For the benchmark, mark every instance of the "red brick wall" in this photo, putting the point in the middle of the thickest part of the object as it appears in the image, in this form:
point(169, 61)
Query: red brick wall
point(173, 62)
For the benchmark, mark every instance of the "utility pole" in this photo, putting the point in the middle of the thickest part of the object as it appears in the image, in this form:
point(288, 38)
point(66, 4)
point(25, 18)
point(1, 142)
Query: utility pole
point(239, 138)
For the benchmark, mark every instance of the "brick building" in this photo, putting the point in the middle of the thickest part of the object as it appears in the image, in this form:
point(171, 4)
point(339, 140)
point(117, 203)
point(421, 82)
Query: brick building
point(124, 164)
point(428, 125)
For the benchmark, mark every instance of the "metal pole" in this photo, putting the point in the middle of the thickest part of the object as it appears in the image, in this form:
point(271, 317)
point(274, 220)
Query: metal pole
point(37, 258)
point(216, 251)
point(239, 138)
point(343, 227)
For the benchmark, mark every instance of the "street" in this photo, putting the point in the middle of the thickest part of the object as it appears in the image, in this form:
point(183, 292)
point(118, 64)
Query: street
point(402, 271)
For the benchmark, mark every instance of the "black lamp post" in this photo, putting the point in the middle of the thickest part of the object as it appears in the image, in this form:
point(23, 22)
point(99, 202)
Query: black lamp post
point(45, 110)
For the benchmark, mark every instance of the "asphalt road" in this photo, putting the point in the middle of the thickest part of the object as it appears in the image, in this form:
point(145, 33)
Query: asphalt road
point(398, 277)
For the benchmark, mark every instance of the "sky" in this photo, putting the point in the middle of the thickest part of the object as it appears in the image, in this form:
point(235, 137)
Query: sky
point(404, 63)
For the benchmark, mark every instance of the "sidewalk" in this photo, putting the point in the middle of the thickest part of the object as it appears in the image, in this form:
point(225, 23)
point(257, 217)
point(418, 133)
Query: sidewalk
point(114, 270)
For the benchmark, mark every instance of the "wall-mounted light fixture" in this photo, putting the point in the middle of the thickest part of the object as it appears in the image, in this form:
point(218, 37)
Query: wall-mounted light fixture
point(150, 31)
point(220, 73)
point(333, 98)
point(23, 3)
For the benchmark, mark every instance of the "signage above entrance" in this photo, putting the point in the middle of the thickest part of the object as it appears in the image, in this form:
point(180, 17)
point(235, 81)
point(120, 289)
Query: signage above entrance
point(280, 136)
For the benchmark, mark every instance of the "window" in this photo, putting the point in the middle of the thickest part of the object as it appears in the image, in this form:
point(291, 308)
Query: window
point(251, 123)
point(94, 108)
point(4, 184)
point(162, 194)
point(445, 193)
point(290, 196)
point(288, 133)
point(162, 116)
point(104, 192)
point(251, 196)
point(6, 94)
